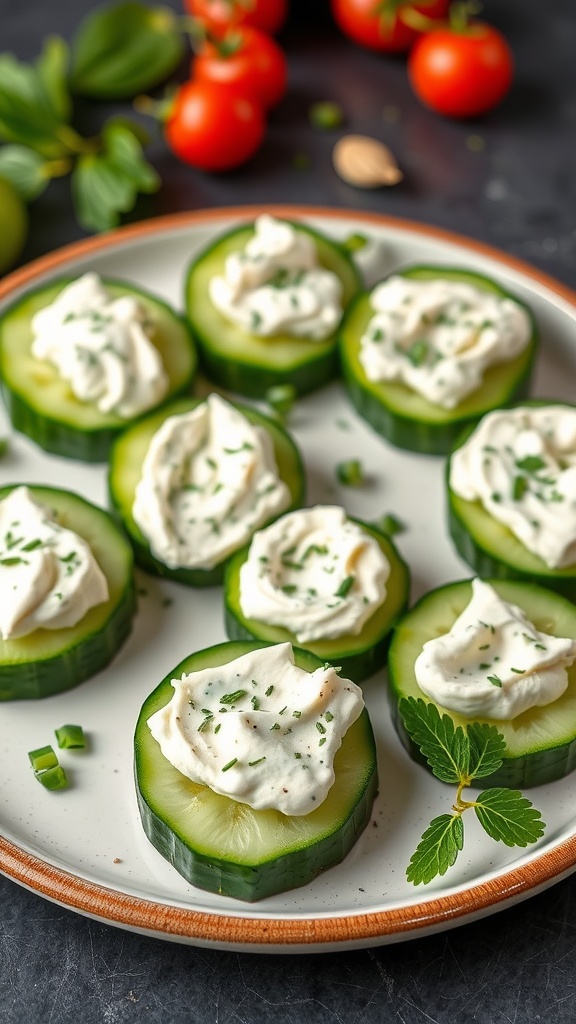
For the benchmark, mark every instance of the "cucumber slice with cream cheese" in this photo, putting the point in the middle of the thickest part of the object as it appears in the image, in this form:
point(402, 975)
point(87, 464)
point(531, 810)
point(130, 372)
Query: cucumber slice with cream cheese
point(404, 417)
point(49, 661)
point(247, 364)
point(225, 846)
point(540, 742)
point(42, 405)
point(126, 459)
point(358, 656)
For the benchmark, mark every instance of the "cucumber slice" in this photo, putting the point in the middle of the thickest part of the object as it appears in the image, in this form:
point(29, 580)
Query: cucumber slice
point(490, 547)
point(358, 656)
point(42, 405)
point(227, 847)
point(541, 742)
point(242, 362)
point(126, 460)
point(404, 417)
point(50, 661)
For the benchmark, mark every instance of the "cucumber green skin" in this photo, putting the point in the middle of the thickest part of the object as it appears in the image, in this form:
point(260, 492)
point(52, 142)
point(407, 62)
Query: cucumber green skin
point(124, 473)
point(78, 652)
point(407, 420)
point(542, 761)
point(249, 370)
point(491, 549)
point(56, 431)
point(358, 656)
point(246, 879)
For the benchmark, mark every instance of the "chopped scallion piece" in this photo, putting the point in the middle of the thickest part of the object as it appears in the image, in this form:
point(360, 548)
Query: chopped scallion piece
point(350, 473)
point(230, 764)
point(53, 778)
point(43, 758)
point(326, 115)
point(70, 737)
point(281, 398)
point(390, 524)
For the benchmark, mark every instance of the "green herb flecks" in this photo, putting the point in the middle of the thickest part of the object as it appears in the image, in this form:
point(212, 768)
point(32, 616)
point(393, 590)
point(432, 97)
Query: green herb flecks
point(230, 764)
point(345, 587)
point(233, 698)
point(458, 756)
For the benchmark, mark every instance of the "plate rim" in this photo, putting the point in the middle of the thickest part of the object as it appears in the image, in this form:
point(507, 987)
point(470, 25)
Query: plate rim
point(257, 933)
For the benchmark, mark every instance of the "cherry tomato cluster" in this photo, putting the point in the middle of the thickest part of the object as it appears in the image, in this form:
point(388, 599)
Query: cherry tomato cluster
point(217, 119)
point(456, 66)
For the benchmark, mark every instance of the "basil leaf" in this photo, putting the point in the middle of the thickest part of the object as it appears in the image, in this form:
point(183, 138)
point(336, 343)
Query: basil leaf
point(52, 71)
point(124, 49)
point(24, 169)
point(27, 112)
point(106, 184)
point(125, 151)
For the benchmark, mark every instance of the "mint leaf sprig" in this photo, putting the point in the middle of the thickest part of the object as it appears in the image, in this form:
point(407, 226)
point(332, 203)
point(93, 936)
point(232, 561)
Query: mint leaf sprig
point(457, 756)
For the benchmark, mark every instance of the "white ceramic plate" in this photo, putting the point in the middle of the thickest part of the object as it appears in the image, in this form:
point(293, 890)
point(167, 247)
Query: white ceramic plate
point(84, 847)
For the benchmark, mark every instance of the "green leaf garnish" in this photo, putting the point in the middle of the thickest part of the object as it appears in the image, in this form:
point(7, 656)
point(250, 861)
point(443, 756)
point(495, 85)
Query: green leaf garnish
point(458, 756)
point(437, 850)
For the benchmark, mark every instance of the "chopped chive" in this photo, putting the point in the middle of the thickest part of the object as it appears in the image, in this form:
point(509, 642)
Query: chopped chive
point(289, 588)
point(322, 741)
point(328, 716)
point(230, 764)
point(390, 524)
point(269, 691)
point(283, 709)
point(275, 726)
point(484, 647)
point(531, 463)
point(326, 115)
point(350, 473)
point(281, 398)
point(320, 727)
point(354, 242)
point(70, 737)
point(217, 727)
point(13, 561)
point(297, 756)
point(519, 488)
point(296, 714)
point(43, 758)
point(233, 698)
point(204, 724)
point(32, 545)
point(252, 763)
point(345, 587)
point(52, 778)
point(518, 671)
point(417, 352)
point(255, 703)
point(495, 681)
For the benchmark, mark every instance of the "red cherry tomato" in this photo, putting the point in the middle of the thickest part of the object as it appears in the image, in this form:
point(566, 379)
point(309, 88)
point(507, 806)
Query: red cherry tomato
point(248, 59)
point(461, 73)
point(379, 24)
point(218, 15)
point(214, 127)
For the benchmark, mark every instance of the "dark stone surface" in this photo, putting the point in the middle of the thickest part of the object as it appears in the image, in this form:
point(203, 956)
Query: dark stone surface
point(517, 193)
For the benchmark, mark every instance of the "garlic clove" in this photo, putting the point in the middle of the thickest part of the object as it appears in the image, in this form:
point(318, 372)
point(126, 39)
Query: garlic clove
point(365, 162)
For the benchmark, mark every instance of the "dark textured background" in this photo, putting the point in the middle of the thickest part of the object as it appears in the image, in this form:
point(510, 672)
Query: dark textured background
point(517, 193)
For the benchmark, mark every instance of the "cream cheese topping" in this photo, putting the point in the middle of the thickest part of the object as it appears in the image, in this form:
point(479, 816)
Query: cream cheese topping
point(209, 480)
point(439, 336)
point(102, 347)
point(494, 663)
point(275, 285)
point(259, 730)
point(316, 573)
point(521, 465)
point(49, 577)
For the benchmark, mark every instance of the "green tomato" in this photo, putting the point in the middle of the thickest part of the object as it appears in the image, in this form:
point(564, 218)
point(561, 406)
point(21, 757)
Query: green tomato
point(13, 225)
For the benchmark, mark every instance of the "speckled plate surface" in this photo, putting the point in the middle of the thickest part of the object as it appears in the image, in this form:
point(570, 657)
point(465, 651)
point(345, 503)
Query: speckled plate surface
point(84, 847)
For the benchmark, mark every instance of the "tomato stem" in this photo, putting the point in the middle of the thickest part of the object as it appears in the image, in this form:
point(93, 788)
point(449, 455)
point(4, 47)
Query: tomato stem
point(461, 12)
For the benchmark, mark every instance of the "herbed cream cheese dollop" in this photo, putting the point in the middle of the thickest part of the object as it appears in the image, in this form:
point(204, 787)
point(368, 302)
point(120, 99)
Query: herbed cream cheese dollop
point(521, 465)
point(102, 347)
point(275, 285)
point(259, 730)
point(209, 480)
point(439, 336)
point(316, 573)
point(49, 577)
point(494, 663)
